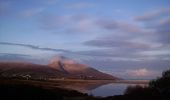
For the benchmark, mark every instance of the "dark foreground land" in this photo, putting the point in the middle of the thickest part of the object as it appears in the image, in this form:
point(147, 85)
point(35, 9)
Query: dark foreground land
point(18, 89)
point(12, 89)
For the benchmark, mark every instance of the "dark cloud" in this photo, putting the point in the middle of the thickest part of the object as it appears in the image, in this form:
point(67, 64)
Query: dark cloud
point(34, 47)
point(110, 24)
point(106, 53)
point(130, 42)
point(112, 43)
point(159, 22)
point(107, 24)
point(119, 54)
point(163, 31)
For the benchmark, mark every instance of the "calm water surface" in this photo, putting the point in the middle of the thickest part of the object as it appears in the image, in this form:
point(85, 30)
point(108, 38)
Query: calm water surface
point(111, 89)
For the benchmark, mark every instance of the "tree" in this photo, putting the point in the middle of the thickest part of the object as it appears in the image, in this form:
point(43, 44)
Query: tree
point(158, 89)
point(162, 84)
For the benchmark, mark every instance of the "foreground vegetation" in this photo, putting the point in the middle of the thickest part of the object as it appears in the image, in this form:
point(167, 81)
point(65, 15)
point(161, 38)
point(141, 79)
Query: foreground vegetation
point(158, 89)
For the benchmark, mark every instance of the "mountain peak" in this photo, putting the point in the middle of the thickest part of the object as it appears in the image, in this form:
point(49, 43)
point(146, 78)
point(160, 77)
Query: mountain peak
point(55, 61)
point(59, 63)
point(57, 68)
point(74, 69)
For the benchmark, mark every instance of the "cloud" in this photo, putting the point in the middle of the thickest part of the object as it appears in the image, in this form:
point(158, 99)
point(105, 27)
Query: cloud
point(105, 53)
point(110, 24)
point(52, 22)
point(23, 58)
point(120, 54)
point(4, 6)
point(85, 24)
point(160, 52)
point(107, 24)
point(158, 21)
point(67, 24)
point(120, 48)
point(14, 55)
point(31, 12)
point(81, 24)
point(142, 72)
point(112, 54)
point(116, 43)
point(51, 2)
point(162, 30)
point(132, 40)
point(126, 68)
point(34, 47)
point(160, 27)
point(153, 14)
point(80, 5)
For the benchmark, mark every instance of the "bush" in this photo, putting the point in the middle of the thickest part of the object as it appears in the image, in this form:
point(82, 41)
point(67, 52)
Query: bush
point(162, 84)
point(158, 89)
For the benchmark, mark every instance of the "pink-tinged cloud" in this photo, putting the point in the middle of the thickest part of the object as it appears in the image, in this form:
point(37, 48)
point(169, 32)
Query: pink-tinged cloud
point(143, 72)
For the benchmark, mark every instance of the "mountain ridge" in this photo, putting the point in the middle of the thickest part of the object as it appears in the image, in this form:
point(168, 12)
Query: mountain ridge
point(57, 68)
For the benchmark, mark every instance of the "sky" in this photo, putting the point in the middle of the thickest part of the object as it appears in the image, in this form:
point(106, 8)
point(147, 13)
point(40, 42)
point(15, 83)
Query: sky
point(126, 38)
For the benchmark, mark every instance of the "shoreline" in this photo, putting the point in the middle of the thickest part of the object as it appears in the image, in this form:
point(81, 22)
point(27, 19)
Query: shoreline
point(83, 81)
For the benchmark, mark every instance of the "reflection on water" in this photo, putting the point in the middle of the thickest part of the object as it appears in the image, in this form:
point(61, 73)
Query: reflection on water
point(84, 87)
point(100, 88)
point(108, 90)
point(111, 89)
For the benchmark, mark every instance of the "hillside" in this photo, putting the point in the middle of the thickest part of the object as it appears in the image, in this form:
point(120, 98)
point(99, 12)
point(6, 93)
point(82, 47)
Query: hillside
point(57, 68)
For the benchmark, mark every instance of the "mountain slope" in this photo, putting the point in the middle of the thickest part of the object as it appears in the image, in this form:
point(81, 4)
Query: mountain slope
point(19, 69)
point(77, 70)
point(58, 68)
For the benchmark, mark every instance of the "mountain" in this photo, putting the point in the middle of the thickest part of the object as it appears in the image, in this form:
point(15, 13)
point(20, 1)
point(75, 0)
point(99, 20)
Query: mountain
point(59, 67)
point(22, 69)
point(77, 70)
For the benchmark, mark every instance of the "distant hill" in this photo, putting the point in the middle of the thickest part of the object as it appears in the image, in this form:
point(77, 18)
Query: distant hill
point(59, 67)
point(21, 69)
